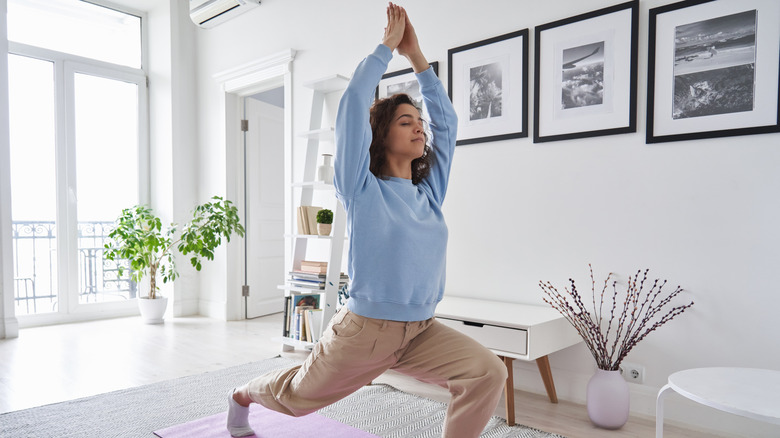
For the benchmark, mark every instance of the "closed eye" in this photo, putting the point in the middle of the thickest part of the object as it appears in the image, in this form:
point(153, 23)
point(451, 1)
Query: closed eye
point(410, 117)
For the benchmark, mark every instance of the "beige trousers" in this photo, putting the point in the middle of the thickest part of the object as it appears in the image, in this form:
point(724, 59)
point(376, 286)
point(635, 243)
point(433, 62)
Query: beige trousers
point(354, 350)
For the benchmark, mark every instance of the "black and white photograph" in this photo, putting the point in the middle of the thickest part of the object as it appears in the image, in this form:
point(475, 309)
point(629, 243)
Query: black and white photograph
point(488, 86)
point(412, 88)
point(404, 81)
point(409, 87)
point(713, 69)
point(485, 91)
point(714, 66)
point(585, 74)
point(582, 76)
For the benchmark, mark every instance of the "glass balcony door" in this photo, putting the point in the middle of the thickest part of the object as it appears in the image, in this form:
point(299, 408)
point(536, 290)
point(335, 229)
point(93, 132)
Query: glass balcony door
point(78, 157)
point(33, 184)
point(107, 177)
point(79, 153)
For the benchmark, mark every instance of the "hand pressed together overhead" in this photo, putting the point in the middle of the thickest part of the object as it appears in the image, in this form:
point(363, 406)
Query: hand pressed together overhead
point(400, 36)
point(396, 24)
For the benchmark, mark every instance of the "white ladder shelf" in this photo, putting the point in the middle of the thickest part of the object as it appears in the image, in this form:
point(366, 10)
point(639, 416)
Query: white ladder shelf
point(319, 131)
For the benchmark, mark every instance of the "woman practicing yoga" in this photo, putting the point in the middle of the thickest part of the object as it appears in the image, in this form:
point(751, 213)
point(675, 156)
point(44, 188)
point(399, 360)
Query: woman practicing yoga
point(391, 180)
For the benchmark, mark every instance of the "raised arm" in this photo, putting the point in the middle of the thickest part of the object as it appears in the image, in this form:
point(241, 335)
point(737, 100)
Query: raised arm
point(444, 121)
point(353, 130)
point(444, 125)
point(409, 47)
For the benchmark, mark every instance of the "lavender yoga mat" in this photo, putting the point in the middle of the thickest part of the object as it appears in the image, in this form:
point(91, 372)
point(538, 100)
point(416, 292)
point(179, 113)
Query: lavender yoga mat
point(267, 424)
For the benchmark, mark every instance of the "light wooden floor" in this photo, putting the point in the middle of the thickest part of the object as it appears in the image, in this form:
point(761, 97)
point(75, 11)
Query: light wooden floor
point(57, 363)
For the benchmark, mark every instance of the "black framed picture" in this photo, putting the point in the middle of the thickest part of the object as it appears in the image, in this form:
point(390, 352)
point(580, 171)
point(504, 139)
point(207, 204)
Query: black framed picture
point(585, 74)
point(713, 69)
point(404, 81)
point(488, 86)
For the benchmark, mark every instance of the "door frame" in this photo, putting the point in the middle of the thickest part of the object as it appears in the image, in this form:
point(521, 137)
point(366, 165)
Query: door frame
point(264, 74)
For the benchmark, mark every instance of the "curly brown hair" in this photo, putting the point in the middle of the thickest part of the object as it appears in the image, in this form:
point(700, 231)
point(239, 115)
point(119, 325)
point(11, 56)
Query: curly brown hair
point(381, 116)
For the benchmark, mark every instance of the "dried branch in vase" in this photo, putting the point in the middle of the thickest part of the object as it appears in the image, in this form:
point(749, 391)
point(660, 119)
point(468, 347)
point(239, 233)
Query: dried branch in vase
point(610, 337)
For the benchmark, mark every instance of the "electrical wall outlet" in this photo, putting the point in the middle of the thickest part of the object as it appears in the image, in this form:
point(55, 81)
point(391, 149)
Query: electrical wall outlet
point(632, 372)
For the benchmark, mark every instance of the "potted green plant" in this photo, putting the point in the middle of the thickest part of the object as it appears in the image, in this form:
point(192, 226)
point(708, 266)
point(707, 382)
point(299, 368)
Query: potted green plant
point(324, 222)
point(140, 238)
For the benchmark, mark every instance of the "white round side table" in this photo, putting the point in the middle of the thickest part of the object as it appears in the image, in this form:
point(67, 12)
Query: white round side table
point(749, 392)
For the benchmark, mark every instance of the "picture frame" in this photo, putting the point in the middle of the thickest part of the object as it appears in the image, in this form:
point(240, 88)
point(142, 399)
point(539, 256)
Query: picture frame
point(488, 86)
point(713, 69)
point(585, 74)
point(404, 81)
point(312, 300)
point(401, 81)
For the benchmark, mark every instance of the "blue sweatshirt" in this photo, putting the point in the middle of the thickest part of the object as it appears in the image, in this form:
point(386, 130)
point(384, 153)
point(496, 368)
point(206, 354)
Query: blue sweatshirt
point(397, 235)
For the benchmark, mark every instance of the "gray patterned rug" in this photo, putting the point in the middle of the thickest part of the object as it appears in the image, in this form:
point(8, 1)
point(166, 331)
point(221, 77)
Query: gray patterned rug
point(137, 412)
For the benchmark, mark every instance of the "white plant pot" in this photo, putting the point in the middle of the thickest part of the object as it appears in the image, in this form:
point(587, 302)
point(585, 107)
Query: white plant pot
point(608, 399)
point(152, 311)
point(324, 229)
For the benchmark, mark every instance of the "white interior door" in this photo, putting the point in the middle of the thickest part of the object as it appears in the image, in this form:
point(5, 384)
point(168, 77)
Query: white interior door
point(265, 207)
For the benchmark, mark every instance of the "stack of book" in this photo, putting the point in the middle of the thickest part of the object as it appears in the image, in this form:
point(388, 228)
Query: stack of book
point(302, 312)
point(303, 318)
point(312, 275)
point(312, 267)
point(312, 281)
point(307, 219)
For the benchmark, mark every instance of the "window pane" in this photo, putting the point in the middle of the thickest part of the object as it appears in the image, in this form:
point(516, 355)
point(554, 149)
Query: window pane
point(77, 27)
point(106, 177)
point(33, 186)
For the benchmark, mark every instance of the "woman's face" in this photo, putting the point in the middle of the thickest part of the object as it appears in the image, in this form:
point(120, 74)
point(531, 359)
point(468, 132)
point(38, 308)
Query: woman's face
point(406, 136)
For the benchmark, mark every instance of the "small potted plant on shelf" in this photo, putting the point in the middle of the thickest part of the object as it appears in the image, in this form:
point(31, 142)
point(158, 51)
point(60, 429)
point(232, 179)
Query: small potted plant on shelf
point(140, 238)
point(324, 222)
point(610, 332)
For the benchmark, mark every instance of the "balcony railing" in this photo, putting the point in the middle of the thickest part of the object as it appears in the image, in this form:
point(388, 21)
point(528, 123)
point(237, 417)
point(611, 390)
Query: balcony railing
point(35, 267)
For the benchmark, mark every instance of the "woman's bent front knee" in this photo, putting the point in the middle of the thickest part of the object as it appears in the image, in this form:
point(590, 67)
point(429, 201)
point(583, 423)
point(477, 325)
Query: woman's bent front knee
point(498, 372)
point(491, 371)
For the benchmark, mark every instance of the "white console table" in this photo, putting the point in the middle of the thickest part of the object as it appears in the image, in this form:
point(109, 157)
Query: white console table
point(512, 331)
point(748, 392)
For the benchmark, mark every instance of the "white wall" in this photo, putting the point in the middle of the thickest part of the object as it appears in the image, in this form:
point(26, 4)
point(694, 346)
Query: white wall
point(9, 327)
point(701, 214)
point(184, 146)
point(172, 123)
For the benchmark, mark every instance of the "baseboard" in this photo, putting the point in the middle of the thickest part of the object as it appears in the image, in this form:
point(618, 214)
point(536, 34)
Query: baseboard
point(681, 411)
point(186, 307)
point(219, 310)
point(568, 386)
point(10, 328)
point(212, 309)
point(267, 307)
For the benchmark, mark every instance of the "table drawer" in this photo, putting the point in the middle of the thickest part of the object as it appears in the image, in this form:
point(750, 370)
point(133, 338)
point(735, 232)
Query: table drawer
point(511, 340)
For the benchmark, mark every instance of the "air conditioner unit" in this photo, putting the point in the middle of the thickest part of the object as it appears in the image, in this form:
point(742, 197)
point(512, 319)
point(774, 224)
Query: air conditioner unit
point(209, 13)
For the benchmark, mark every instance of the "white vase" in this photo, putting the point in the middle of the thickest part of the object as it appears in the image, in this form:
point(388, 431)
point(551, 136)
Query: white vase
point(152, 310)
point(325, 171)
point(608, 399)
point(324, 229)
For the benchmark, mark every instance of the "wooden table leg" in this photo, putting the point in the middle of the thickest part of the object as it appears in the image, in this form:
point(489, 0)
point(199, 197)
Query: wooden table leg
point(509, 392)
point(544, 369)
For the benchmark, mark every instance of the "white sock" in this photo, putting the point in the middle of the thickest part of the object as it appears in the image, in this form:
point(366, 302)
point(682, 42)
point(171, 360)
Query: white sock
point(238, 418)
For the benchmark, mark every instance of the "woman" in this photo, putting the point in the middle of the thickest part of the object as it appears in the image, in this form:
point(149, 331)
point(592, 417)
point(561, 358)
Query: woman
point(392, 185)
